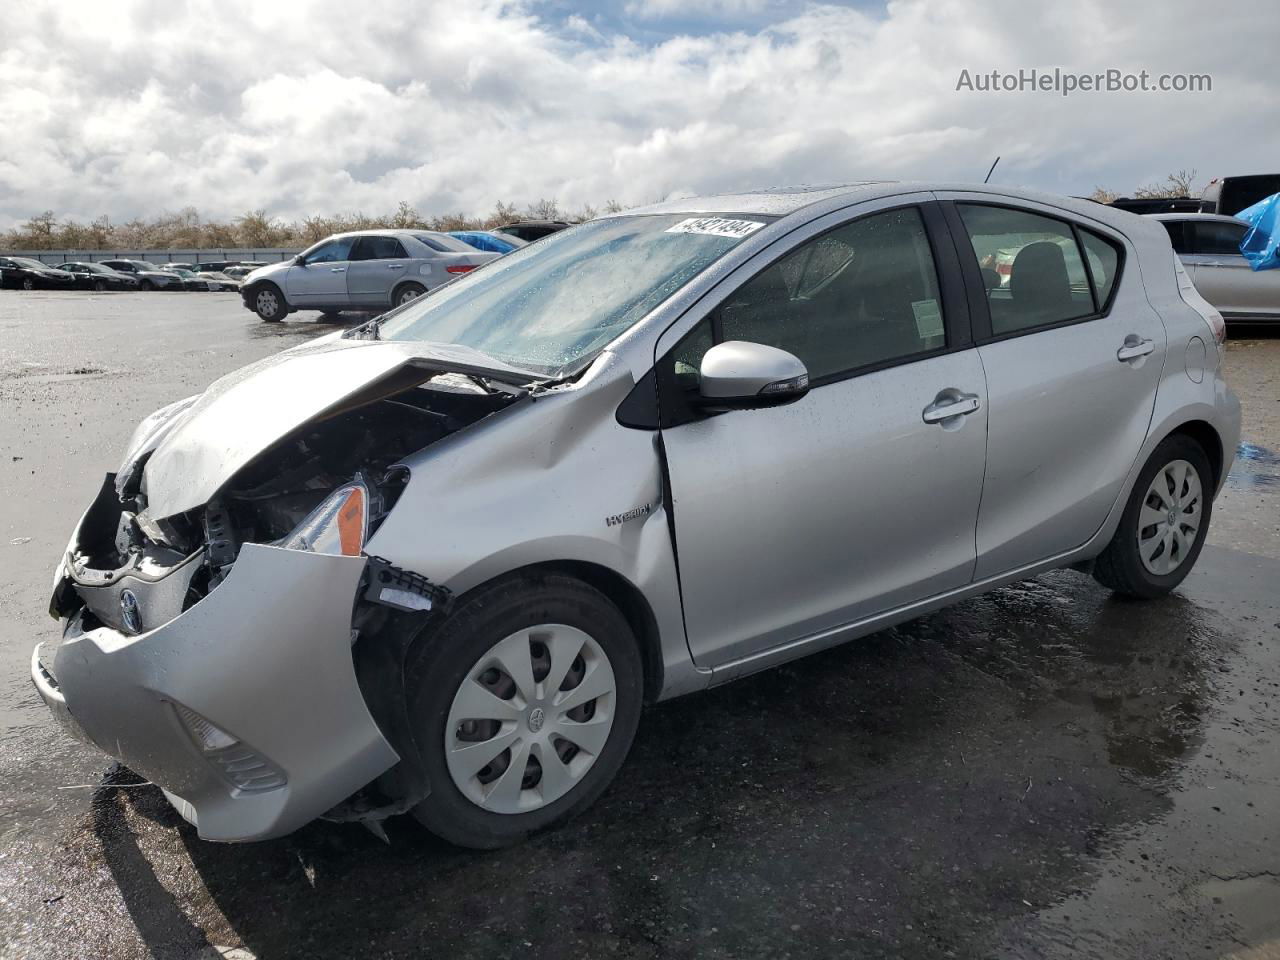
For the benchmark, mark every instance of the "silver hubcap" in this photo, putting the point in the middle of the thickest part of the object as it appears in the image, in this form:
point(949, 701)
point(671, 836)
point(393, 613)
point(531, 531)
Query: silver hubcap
point(267, 302)
point(1170, 518)
point(530, 719)
point(408, 295)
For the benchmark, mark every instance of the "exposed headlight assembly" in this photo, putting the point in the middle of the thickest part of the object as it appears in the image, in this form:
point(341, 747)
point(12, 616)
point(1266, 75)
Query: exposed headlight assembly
point(338, 526)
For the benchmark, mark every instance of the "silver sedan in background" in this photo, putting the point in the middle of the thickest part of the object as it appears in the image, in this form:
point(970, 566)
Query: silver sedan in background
point(436, 563)
point(1209, 246)
point(363, 270)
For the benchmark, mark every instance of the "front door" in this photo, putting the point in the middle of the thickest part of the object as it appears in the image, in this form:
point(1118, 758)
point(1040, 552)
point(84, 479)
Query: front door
point(377, 265)
point(321, 279)
point(863, 495)
point(1073, 353)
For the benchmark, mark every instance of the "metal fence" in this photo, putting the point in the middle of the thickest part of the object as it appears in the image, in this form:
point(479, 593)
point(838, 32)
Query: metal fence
point(258, 254)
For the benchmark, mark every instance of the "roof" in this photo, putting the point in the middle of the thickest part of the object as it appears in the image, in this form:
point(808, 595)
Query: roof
point(781, 201)
point(1218, 217)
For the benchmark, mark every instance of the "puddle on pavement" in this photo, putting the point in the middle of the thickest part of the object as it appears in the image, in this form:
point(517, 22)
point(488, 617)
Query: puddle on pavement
point(1247, 470)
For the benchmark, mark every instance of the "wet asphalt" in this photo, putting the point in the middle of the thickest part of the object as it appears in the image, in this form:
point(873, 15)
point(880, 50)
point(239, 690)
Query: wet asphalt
point(1046, 771)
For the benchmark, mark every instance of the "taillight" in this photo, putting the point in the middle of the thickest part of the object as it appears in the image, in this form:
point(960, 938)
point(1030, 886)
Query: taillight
point(1192, 298)
point(460, 268)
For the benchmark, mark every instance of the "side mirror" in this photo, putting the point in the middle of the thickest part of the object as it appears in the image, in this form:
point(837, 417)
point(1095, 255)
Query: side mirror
point(299, 261)
point(737, 375)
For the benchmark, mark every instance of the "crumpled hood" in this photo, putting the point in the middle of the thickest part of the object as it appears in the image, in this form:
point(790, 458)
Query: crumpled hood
point(198, 444)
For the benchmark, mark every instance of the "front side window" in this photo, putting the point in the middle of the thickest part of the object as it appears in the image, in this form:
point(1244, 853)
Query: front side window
point(377, 248)
point(862, 294)
point(550, 307)
point(330, 251)
point(1031, 266)
point(1216, 238)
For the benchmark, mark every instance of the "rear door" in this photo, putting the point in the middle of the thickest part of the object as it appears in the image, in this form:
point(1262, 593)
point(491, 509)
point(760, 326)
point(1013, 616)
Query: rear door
point(377, 265)
point(1073, 354)
point(321, 280)
point(1223, 276)
point(863, 495)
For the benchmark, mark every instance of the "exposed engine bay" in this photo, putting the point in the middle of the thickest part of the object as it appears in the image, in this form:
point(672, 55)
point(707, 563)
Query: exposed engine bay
point(121, 547)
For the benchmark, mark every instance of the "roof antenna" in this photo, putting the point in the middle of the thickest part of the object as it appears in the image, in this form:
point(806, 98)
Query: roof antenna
point(992, 170)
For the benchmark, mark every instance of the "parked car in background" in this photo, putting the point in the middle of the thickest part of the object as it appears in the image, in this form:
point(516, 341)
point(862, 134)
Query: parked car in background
point(150, 276)
point(189, 279)
point(1157, 204)
point(217, 280)
point(367, 269)
point(23, 273)
point(96, 276)
point(1231, 195)
point(430, 563)
point(1208, 245)
point(489, 240)
point(530, 230)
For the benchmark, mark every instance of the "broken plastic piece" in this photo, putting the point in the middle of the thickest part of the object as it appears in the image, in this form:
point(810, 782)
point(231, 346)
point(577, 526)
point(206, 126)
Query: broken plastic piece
point(403, 589)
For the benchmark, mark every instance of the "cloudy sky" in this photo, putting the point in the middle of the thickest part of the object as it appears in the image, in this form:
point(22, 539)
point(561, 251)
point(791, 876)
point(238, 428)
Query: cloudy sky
point(130, 109)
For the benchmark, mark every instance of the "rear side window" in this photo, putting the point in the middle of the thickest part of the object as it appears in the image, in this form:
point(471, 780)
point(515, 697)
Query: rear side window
point(378, 248)
point(1031, 266)
point(1104, 264)
point(1177, 230)
point(1214, 237)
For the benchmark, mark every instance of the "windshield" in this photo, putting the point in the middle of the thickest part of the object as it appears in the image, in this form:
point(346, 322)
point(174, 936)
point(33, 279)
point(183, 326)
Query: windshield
point(31, 264)
point(550, 307)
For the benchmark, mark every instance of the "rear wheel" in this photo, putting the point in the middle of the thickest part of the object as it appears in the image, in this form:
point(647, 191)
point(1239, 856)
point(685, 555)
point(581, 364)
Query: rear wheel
point(407, 292)
point(1164, 523)
point(524, 704)
point(269, 303)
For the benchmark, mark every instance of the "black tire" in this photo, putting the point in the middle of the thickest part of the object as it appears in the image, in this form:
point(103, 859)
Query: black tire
point(330, 316)
point(442, 661)
point(269, 303)
point(28, 283)
point(146, 285)
point(1120, 565)
point(406, 292)
point(99, 285)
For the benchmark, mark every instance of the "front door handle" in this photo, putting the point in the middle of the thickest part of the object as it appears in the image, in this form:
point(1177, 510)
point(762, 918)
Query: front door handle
point(337, 269)
point(1134, 347)
point(950, 404)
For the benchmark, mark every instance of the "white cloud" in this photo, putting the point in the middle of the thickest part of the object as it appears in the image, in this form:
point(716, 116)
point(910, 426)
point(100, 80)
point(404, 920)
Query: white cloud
point(130, 110)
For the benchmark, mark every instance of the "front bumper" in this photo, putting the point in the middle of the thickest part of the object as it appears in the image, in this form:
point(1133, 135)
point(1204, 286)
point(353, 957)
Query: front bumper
point(265, 658)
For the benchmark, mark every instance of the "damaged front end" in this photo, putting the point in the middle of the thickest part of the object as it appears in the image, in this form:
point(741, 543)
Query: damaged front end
point(243, 653)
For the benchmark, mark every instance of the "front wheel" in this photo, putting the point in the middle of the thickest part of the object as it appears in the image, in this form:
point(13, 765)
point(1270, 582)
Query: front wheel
point(28, 283)
point(1164, 523)
point(146, 285)
point(407, 292)
point(99, 285)
point(269, 304)
point(524, 703)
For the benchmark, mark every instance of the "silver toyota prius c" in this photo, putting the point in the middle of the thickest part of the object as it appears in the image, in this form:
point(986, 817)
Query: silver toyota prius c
point(436, 563)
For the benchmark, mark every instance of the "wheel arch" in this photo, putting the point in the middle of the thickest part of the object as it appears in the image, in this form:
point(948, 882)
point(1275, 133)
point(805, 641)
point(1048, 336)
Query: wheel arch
point(624, 594)
point(1204, 433)
point(407, 281)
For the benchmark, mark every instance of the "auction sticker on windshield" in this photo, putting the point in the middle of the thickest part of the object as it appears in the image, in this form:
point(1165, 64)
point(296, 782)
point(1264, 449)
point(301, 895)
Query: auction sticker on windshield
point(716, 227)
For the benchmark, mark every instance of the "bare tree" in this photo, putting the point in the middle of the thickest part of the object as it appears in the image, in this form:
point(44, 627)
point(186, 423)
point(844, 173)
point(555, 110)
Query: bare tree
point(1103, 195)
point(1178, 184)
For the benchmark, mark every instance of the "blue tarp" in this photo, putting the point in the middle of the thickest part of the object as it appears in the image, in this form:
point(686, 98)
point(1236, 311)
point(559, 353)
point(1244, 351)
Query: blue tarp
point(1261, 245)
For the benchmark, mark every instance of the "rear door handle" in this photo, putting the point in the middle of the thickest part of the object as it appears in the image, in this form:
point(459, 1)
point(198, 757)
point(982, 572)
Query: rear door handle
point(1134, 347)
point(395, 266)
point(950, 404)
point(337, 269)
